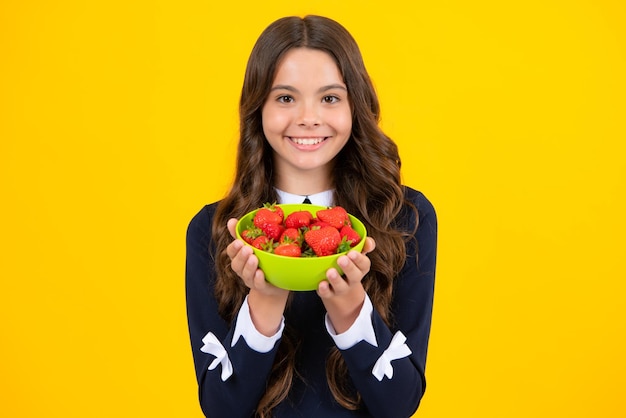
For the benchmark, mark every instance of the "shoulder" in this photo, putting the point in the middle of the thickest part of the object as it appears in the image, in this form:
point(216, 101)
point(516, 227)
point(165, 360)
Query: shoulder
point(199, 228)
point(417, 198)
point(425, 209)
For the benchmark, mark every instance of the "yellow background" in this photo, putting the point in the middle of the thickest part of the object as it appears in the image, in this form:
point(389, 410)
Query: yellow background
point(118, 121)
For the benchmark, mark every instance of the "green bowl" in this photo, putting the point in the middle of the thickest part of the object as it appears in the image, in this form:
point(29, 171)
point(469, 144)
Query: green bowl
point(304, 273)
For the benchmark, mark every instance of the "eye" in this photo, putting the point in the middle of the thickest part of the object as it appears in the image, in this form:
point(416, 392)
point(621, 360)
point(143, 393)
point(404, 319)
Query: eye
point(284, 99)
point(330, 99)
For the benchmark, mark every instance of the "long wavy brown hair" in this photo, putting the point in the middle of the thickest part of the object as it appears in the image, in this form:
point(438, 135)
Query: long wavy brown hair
point(368, 185)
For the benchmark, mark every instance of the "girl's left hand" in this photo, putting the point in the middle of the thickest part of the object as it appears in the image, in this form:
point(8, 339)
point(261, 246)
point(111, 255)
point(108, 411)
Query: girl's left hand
point(343, 296)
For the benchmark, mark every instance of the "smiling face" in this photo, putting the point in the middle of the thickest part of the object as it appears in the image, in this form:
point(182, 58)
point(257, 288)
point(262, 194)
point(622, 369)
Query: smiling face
point(306, 118)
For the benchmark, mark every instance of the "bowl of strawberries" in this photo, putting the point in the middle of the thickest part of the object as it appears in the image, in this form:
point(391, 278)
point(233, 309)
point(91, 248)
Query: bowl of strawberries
point(297, 243)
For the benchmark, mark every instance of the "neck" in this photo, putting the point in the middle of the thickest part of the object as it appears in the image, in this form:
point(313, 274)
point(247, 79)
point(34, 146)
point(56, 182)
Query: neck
point(304, 183)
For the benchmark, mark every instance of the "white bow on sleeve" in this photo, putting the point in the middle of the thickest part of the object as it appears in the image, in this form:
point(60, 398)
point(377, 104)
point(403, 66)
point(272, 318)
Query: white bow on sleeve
point(397, 349)
point(213, 346)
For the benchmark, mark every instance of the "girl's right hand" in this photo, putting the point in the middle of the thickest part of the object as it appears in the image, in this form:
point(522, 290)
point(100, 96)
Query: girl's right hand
point(266, 301)
point(246, 265)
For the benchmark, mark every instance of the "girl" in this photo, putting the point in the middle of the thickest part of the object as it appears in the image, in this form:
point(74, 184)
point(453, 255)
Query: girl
point(356, 347)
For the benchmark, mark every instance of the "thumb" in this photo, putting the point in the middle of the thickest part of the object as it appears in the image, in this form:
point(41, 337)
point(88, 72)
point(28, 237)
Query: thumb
point(369, 246)
point(232, 224)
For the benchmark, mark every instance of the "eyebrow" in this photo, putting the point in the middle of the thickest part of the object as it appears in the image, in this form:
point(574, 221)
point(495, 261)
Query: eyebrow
point(321, 89)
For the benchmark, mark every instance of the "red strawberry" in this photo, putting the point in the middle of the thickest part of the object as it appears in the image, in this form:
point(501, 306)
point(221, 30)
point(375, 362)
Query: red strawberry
point(288, 249)
point(261, 242)
point(316, 223)
point(268, 214)
point(276, 209)
point(290, 235)
point(351, 235)
point(250, 234)
point(273, 231)
point(336, 216)
point(298, 219)
point(323, 241)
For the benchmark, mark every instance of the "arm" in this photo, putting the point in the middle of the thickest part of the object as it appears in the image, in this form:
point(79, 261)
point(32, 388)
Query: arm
point(399, 396)
point(239, 394)
point(267, 302)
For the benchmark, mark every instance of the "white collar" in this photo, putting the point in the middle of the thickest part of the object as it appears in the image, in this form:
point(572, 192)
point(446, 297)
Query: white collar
point(324, 198)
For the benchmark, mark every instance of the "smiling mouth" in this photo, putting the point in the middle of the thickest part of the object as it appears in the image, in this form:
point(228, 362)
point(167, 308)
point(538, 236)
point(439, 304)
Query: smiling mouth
point(308, 141)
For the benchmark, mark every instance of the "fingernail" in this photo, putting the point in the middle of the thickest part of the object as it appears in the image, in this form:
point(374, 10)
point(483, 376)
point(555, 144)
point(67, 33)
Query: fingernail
point(342, 261)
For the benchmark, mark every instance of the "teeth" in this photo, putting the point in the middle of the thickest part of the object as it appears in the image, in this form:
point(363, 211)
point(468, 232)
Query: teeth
point(307, 141)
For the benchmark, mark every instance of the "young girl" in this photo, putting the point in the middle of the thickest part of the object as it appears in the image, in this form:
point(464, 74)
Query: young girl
point(356, 347)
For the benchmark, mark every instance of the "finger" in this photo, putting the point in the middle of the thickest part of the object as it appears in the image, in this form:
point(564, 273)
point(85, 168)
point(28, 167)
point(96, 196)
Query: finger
point(232, 224)
point(239, 259)
point(360, 261)
point(259, 280)
point(369, 245)
point(234, 247)
point(337, 283)
point(355, 266)
point(323, 289)
point(350, 270)
point(250, 268)
point(265, 287)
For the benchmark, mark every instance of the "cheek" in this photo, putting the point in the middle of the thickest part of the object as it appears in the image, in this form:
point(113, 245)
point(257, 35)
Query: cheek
point(274, 121)
point(265, 117)
point(343, 122)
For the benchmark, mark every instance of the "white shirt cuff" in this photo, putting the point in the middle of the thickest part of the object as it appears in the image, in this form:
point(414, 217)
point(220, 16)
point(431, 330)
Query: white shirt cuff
point(361, 330)
point(245, 328)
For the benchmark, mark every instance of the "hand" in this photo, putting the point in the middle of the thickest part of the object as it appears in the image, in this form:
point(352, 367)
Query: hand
point(267, 302)
point(343, 296)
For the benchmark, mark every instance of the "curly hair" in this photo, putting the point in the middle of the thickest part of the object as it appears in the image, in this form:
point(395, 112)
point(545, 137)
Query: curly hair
point(370, 186)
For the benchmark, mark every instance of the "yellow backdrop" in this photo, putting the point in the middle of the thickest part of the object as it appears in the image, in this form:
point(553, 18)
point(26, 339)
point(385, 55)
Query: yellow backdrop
point(118, 121)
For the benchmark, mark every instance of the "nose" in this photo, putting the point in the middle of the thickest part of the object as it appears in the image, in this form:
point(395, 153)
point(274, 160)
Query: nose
point(308, 115)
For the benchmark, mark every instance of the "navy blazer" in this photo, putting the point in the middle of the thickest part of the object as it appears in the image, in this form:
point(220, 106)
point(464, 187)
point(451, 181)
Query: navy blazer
point(310, 395)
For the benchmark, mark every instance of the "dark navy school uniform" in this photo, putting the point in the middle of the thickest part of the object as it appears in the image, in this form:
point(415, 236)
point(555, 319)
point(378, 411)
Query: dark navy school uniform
point(233, 387)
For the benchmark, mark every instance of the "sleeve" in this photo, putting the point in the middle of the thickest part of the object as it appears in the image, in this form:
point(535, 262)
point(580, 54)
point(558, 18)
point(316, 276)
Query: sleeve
point(399, 392)
point(361, 330)
point(238, 394)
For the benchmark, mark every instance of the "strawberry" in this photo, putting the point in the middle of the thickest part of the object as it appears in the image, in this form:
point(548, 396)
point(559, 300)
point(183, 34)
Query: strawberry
point(336, 216)
point(288, 249)
point(268, 214)
point(316, 223)
point(277, 209)
point(273, 231)
point(323, 241)
point(262, 243)
point(350, 234)
point(298, 219)
point(269, 219)
point(290, 235)
point(250, 234)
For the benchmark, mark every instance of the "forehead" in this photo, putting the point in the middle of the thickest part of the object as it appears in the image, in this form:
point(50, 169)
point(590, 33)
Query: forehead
point(306, 65)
